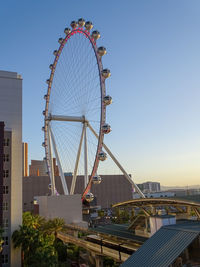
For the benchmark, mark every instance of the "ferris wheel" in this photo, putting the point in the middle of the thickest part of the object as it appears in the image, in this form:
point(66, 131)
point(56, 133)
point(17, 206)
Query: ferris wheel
point(75, 109)
point(76, 101)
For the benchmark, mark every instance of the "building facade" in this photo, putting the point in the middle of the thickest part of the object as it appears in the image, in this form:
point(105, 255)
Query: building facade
point(10, 162)
point(111, 190)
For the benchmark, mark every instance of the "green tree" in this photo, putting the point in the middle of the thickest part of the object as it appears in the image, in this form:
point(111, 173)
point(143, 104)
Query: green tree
point(37, 246)
point(33, 221)
point(53, 226)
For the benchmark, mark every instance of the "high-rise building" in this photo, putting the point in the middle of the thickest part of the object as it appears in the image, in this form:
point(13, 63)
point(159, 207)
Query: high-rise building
point(39, 168)
point(10, 162)
point(149, 187)
point(24, 159)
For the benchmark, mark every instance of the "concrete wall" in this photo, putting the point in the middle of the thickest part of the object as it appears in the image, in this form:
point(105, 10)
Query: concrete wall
point(67, 207)
point(156, 222)
point(11, 114)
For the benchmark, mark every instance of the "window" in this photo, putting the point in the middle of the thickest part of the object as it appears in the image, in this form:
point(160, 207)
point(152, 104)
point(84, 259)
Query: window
point(5, 240)
point(5, 222)
point(4, 258)
point(5, 157)
point(6, 142)
point(5, 205)
point(5, 189)
point(5, 173)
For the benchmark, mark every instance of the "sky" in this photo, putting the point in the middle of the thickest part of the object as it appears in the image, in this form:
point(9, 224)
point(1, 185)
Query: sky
point(153, 54)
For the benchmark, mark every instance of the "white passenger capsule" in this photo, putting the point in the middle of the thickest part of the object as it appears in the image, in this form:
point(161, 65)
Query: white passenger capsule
point(55, 52)
point(67, 31)
point(60, 40)
point(107, 100)
point(45, 97)
point(48, 81)
point(106, 73)
point(51, 66)
point(43, 128)
point(49, 186)
point(43, 144)
point(81, 22)
point(74, 24)
point(96, 35)
point(44, 112)
point(96, 179)
point(88, 25)
point(106, 128)
point(102, 156)
point(89, 197)
point(101, 51)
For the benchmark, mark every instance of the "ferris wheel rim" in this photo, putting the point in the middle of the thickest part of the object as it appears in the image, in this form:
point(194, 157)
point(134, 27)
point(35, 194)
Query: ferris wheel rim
point(102, 93)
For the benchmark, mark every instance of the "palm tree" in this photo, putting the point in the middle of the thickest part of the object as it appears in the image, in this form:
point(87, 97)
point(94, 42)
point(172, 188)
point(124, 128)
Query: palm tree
point(53, 226)
point(34, 221)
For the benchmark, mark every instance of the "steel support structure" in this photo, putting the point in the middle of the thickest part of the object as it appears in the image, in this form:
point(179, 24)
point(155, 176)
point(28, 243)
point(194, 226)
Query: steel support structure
point(62, 176)
point(51, 173)
point(77, 163)
point(85, 156)
point(117, 163)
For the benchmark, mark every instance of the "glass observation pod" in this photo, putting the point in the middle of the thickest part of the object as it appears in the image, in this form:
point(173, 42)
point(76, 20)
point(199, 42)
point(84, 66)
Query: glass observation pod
point(67, 31)
point(89, 197)
point(88, 25)
point(95, 35)
point(81, 22)
point(49, 186)
point(74, 24)
point(102, 156)
point(106, 128)
point(96, 179)
point(101, 51)
point(107, 100)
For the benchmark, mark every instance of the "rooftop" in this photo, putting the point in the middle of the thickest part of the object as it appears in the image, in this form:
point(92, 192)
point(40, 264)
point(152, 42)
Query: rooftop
point(164, 246)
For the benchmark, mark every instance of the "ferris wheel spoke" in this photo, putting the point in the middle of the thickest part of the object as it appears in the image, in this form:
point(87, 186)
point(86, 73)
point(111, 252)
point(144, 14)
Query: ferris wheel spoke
point(64, 185)
point(66, 118)
point(77, 162)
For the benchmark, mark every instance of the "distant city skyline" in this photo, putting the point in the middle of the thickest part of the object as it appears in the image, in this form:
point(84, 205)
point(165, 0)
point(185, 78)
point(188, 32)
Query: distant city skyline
point(153, 55)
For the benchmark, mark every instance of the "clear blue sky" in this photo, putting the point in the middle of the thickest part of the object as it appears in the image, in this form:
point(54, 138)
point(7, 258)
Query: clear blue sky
point(154, 56)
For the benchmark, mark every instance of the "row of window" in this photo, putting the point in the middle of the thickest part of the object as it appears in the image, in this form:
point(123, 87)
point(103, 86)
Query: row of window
point(5, 173)
point(5, 240)
point(6, 157)
point(5, 189)
point(5, 223)
point(5, 206)
point(6, 142)
point(4, 258)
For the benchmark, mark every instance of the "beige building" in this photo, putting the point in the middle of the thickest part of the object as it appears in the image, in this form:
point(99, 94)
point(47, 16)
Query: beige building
point(10, 162)
point(112, 189)
point(24, 159)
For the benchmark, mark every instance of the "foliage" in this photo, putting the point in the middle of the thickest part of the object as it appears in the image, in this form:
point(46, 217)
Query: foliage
point(53, 226)
point(121, 216)
point(101, 213)
point(61, 250)
point(109, 262)
point(37, 239)
point(1, 239)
